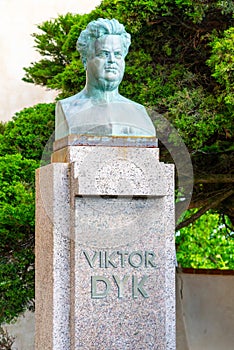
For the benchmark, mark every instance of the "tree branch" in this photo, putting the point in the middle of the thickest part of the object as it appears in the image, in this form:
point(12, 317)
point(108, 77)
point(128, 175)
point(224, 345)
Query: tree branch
point(215, 178)
point(212, 204)
point(204, 199)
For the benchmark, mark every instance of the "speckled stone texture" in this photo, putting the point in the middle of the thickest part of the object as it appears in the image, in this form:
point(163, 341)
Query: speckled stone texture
point(52, 292)
point(113, 287)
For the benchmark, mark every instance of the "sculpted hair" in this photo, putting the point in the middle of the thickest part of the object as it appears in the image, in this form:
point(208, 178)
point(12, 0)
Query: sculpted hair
point(97, 29)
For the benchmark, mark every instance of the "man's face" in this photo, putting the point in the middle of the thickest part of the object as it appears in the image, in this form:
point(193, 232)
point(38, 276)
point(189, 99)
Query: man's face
point(105, 67)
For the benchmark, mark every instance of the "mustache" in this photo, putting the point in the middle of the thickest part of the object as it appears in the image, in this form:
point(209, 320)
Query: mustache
point(111, 66)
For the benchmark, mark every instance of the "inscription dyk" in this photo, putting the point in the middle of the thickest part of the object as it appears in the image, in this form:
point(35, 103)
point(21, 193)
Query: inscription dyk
point(101, 285)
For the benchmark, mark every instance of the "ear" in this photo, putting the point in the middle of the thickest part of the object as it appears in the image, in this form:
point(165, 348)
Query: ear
point(84, 61)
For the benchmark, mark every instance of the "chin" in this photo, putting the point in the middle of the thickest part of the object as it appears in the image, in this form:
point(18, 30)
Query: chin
point(111, 77)
point(110, 84)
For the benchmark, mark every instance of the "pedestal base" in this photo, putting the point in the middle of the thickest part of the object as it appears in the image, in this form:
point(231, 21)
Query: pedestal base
point(105, 251)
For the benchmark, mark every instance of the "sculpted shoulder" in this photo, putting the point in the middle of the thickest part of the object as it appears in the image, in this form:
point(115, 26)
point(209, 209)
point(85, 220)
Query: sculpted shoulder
point(78, 102)
point(136, 104)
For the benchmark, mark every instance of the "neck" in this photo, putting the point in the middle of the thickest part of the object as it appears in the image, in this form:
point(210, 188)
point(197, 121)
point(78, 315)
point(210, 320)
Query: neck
point(101, 95)
point(107, 92)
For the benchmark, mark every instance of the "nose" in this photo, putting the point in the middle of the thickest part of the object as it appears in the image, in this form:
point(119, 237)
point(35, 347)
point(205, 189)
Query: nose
point(111, 57)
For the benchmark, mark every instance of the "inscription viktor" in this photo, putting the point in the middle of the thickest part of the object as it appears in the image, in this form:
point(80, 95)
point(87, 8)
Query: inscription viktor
point(101, 286)
point(121, 258)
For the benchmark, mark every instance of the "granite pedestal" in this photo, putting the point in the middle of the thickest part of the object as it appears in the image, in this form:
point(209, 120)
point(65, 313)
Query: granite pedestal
point(105, 253)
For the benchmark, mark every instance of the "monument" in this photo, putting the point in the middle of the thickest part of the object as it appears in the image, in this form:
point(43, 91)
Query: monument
point(105, 253)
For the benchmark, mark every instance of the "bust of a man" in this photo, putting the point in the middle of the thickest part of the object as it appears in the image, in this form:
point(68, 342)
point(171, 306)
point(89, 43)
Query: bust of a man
point(99, 109)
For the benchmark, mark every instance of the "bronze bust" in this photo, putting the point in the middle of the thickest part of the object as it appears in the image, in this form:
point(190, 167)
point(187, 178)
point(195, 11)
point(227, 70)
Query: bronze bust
point(99, 109)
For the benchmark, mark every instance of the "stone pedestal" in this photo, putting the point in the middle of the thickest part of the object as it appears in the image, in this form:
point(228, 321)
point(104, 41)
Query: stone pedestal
point(105, 255)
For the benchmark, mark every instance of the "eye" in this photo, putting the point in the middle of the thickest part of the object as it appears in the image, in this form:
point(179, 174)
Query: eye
point(102, 54)
point(118, 54)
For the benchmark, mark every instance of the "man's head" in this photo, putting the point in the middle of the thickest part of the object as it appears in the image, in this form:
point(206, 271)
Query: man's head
point(103, 46)
point(95, 30)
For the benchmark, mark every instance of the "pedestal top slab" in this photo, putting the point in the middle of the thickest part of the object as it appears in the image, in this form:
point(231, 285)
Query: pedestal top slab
point(107, 141)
